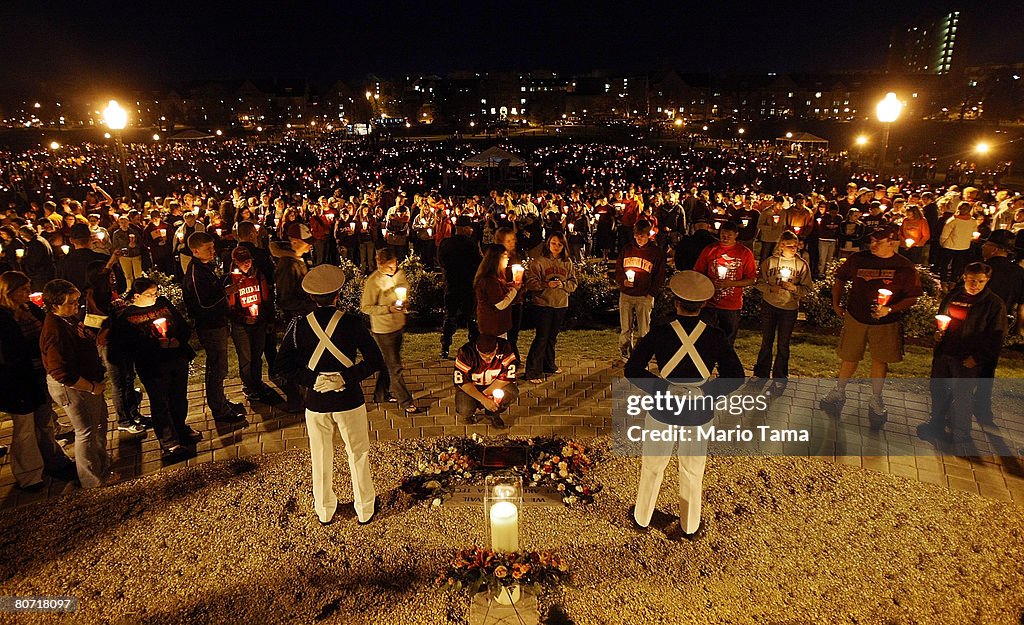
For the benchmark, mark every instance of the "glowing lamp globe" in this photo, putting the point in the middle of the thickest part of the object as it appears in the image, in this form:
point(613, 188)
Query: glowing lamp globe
point(889, 109)
point(115, 117)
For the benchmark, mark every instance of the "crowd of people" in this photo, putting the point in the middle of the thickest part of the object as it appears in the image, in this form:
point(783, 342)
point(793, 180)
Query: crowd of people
point(249, 230)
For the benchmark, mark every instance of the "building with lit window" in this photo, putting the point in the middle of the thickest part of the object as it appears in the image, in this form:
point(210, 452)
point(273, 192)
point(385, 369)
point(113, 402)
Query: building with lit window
point(925, 47)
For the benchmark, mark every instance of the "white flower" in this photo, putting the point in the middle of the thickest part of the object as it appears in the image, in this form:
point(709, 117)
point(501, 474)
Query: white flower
point(563, 466)
point(561, 487)
point(579, 489)
point(436, 503)
point(563, 474)
point(536, 477)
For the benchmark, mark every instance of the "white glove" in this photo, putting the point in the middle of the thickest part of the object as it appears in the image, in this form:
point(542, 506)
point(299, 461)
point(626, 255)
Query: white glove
point(328, 382)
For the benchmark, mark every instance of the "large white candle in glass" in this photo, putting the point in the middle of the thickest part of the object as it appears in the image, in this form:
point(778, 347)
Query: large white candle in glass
point(517, 272)
point(504, 526)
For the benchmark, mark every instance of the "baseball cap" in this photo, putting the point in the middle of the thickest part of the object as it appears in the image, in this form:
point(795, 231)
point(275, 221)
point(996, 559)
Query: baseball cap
point(241, 254)
point(299, 231)
point(887, 231)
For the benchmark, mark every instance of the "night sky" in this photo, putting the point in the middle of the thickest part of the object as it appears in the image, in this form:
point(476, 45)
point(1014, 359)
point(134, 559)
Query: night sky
point(161, 43)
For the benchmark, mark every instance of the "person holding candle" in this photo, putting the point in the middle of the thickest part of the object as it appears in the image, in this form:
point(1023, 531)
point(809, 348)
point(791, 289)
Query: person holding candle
point(866, 323)
point(784, 279)
point(552, 279)
point(637, 290)
point(75, 266)
point(483, 368)
point(770, 226)
point(125, 237)
point(494, 293)
point(101, 241)
point(23, 393)
point(507, 238)
point(151, 334)
point(74, 376)
point(732, 268)
point(189, 225)
point(965, 350)
point(915, 233)
point(321, 353)
point(157, 239)
point(384, 300)
point(687, 350)
point(251, 310)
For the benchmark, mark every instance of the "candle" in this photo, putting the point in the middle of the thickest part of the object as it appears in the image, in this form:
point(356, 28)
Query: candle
point(254, 310)
point(745, 222)
point(630, 275)
point(236, 271)
point(504, 526)
point(718, 225)
point(100, 235)
point(775, 219)
point(818, 220)
point(163, 232)
point(796, 229)
point(217, 231)
point(383, 232)
point(161, 326)
point(785, 272)
point(36, 298)
point(517, 272)
point(910, 243)
point(351, 225)
point(430, 232)
point(181, 235)
point(66, 249)
point(722, 272)
point(400, 292)
point(365, 224)
point(942, 321)
point(975, 235)
point(570, 228)
point(883, 296)
point(131, 240)
point(20, 252)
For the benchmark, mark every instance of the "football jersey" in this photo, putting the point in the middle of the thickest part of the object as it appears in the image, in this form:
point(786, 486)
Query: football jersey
point(471, 367)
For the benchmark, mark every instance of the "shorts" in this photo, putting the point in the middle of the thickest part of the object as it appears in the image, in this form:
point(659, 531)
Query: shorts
point(885, 341)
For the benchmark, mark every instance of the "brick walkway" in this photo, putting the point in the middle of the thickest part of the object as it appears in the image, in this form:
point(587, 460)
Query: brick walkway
point(577, 403)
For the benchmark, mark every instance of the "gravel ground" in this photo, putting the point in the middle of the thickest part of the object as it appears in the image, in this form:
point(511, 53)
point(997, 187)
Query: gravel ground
point(788, 541)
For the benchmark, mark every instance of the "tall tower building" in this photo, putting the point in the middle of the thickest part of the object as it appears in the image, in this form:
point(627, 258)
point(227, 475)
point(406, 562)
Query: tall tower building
point(925, 47)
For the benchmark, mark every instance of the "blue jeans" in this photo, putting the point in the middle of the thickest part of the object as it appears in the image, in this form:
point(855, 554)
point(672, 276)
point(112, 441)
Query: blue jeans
point(727, 321)
point(541, 358)
point(215, 343)
point(775, 322)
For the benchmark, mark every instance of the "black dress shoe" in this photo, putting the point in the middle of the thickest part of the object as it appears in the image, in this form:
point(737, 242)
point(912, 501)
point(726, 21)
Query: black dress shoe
point(697, 535)
point(640, 529)
point(376, 507)
point(230, 417)
point(176, 453)
point(193, 436)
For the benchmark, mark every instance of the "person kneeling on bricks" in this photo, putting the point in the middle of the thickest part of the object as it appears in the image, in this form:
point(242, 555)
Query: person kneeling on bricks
point(485, 377)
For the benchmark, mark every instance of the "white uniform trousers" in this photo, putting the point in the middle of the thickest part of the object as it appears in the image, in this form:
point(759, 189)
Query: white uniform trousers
point(692, 456)
point(355, 433)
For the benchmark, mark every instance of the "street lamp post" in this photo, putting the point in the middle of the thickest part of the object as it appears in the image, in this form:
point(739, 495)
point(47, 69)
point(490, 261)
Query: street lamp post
point(116, 118)
point(888, 111)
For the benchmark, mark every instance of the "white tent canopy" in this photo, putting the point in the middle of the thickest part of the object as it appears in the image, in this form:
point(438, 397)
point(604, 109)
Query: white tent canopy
point(493, 157)
point(802, 137)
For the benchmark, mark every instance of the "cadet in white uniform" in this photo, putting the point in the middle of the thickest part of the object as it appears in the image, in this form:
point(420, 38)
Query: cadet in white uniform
point(320, 352)
point(687, 350)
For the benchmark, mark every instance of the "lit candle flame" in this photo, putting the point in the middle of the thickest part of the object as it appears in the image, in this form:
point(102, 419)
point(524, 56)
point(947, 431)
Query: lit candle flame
point(498, 395)
point(942, 321)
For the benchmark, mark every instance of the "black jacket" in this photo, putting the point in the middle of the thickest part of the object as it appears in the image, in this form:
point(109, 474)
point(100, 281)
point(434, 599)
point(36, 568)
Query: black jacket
point(75, 266)
point(459, 258)
point(204, 296)
point(21, 389)
point(38, 262)
point(661, 343)
point(980, 335)
point(351, 337)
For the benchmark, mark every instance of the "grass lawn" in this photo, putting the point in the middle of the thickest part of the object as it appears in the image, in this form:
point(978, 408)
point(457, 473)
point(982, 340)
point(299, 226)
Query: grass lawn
point(812, 354)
